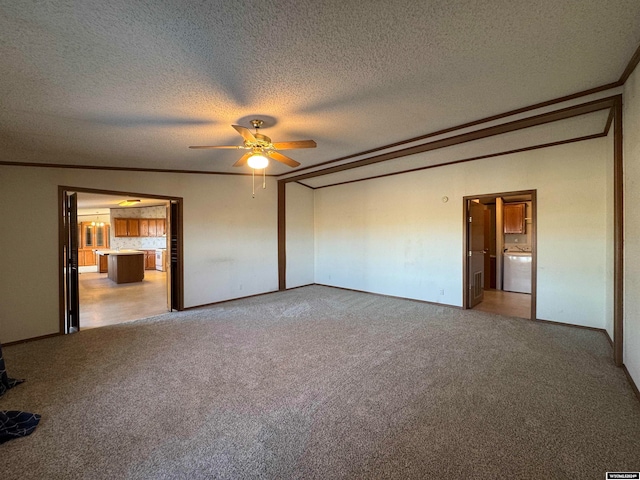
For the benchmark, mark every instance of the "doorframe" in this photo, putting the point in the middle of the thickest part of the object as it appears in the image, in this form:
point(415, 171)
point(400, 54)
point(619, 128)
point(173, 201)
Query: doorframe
point(534, 244)
point(62, 192)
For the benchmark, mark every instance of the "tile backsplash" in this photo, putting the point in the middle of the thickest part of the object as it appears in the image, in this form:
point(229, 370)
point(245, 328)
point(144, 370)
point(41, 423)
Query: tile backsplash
point(138, 243)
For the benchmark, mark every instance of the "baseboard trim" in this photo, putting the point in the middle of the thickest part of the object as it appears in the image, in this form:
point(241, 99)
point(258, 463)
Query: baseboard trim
point(228, 300)
point(32, 339)
point(634, 387)
point(606, 334)
point(302, 286)
point(584, 327)
point(389, 296)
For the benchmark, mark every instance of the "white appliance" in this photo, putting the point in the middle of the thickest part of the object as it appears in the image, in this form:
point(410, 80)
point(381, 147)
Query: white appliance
point(161, 259)
point(517, 272)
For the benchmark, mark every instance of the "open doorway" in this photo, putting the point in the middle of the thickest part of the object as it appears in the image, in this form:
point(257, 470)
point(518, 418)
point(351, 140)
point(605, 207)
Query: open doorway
point(121, 261)
point(500, 253)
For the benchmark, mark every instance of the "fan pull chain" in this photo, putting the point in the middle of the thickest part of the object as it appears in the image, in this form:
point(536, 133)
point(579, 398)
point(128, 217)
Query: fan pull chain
point(253, 178)
point(264, 177)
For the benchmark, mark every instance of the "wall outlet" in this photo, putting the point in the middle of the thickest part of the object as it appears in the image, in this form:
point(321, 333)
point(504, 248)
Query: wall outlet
point(442, 291)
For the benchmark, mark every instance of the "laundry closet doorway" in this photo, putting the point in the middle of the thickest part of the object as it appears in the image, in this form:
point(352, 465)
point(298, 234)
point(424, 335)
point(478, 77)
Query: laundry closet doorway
point(500, 253)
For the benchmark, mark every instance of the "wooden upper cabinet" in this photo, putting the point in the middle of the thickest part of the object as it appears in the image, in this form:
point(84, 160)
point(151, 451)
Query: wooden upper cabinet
point(144, 227)
point(93, 236)
point(88, 238)
point(120, 225)
point(133, 227)
point(153, 227)
point(102, 235)
point(139, 227)
point(514, 217)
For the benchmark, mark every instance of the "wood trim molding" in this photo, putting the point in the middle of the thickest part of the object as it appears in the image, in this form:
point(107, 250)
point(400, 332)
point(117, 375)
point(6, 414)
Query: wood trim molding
point(470, 159)
point(388, 296)
point(282, 236)
point(474, 123)
point(120, 169)
point(606, 334)
point(213, 304)
point(32, 339)
point(618, 235)
point(634, 387)
point(544, 118)
point(607, 126)
point(465, 246)
point(61, 261)
point(573, 325)
point(180, 224)
point(534, 257)
point(631, 66)
point(117, 193)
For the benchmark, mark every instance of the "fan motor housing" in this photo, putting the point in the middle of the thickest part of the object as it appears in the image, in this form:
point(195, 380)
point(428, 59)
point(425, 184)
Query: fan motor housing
point(262, 138)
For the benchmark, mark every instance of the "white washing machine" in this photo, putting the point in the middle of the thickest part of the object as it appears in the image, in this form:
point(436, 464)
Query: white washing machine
point(517, 272)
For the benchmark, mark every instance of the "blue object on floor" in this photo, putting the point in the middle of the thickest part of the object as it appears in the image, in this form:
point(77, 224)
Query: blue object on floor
point(14, 423)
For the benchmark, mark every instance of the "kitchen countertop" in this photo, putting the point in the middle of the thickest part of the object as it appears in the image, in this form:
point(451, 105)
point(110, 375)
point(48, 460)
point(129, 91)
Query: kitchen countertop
point(119, 252)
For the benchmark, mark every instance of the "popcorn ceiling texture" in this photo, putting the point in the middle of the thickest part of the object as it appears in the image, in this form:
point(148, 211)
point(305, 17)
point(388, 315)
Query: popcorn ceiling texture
point(126, 84)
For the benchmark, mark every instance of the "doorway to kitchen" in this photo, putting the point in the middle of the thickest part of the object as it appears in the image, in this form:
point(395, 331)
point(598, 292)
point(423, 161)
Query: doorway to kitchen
point(121, 257)
point(500, 253)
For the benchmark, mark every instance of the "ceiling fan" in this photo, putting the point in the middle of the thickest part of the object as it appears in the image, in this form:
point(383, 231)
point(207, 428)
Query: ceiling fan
point(261, 148)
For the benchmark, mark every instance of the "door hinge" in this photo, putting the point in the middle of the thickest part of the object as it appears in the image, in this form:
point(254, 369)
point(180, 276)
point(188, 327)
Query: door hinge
point(470, 253)
point(470, 219)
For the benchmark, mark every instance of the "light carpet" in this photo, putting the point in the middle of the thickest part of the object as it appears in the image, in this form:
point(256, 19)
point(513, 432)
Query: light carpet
point(324, 383)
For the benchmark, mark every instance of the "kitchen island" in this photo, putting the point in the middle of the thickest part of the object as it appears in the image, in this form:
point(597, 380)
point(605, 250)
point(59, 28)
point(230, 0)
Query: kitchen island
point(124, 266)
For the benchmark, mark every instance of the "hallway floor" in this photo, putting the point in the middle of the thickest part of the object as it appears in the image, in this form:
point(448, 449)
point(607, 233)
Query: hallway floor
point(103, 302)
point(506, 303)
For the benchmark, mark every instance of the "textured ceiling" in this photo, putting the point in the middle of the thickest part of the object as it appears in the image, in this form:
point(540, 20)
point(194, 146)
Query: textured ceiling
point(132, 84)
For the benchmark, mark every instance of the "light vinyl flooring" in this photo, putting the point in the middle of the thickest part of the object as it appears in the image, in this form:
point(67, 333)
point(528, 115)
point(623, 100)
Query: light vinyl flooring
point(506, 303)
point(104, 302)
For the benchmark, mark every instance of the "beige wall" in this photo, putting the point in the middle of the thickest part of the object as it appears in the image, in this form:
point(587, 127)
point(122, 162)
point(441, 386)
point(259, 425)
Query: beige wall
point(631, 132)
point(395, 236)
point(230, 238)
point(300, 235)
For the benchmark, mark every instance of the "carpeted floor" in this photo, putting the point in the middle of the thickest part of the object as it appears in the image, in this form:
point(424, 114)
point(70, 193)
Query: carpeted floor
point(323, 383)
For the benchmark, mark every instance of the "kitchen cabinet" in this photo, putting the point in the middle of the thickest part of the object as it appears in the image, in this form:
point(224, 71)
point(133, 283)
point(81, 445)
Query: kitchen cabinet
point(139, 227)
point(148, 227)
point(149, 259)
point(91, 237)
point(120, 225)
point(133, 227)
point(103, 263)
point(94, 236)
point(514, 217)
point(86, 258)
point(126, 267)
point(161, 228)
point(153, 227)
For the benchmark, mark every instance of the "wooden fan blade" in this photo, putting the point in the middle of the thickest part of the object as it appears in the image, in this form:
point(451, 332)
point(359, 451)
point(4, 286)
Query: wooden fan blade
point(295, 144)
point(283, 159)
point(216, 146)
point(243, 160)
point(246, 134)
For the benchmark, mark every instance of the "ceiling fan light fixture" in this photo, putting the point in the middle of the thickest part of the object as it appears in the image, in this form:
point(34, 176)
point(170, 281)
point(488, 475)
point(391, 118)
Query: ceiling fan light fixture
point(258, 161)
